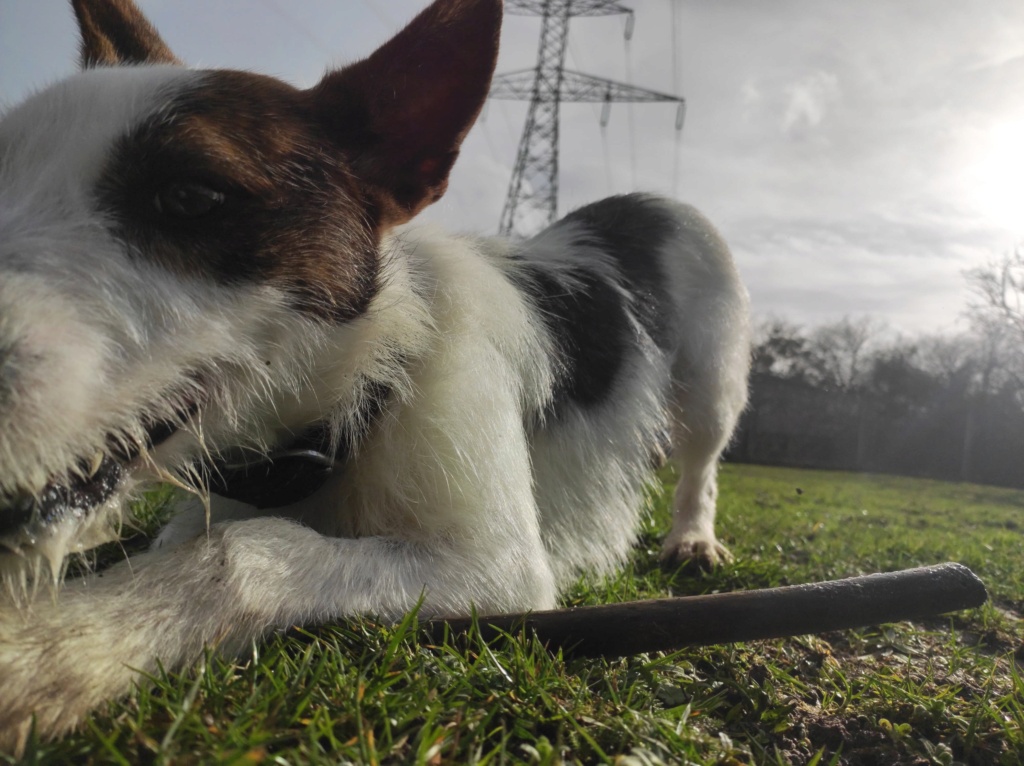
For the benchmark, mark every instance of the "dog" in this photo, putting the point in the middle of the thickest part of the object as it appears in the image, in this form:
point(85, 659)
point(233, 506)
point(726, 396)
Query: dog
point(205, 279)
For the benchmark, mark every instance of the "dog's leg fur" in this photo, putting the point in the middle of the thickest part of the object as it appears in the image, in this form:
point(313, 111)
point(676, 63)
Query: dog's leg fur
point(61, 659)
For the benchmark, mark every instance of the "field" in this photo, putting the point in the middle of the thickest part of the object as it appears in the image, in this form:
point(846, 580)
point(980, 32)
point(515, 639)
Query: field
point(943, 692)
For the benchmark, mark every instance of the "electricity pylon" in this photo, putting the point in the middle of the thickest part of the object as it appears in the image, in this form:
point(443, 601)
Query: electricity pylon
point(532, 199)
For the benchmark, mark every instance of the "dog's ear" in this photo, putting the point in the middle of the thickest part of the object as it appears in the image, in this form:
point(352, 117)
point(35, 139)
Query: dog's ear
point(115, 32)
point(401, 114)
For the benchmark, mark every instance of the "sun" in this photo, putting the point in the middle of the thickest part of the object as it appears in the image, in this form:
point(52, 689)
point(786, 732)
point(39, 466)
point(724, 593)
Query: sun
point(997, 177)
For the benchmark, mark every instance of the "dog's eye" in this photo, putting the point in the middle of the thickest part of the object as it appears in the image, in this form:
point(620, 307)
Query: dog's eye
point(187, 199)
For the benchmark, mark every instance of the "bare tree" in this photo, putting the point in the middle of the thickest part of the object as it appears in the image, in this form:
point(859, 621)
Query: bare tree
point(947, 358)
point(1001, 287)
point(997, 321)
point(780, 349)
point(841, 350)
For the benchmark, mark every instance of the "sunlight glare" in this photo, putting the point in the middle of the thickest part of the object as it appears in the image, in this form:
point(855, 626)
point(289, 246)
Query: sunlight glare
point(997, 178)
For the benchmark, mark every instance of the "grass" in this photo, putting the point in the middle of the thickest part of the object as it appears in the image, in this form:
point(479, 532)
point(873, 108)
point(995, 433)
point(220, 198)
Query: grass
point(943, 692)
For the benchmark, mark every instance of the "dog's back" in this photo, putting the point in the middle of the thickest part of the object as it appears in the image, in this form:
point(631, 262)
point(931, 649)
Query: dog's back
point(642, 301)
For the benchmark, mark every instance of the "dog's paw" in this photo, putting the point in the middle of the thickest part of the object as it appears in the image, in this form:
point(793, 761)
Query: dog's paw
point(694, 553)
point(19, 701)
point(33, 679)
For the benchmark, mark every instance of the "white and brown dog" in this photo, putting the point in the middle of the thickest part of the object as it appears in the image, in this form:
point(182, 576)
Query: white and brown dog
point(202, 280)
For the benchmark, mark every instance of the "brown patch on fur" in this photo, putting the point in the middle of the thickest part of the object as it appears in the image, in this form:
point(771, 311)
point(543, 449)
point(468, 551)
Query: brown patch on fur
point(115, 32)
point(310, 179)
point(292, 216)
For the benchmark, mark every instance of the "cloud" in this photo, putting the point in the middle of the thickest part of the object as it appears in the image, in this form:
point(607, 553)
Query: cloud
point(808, 100)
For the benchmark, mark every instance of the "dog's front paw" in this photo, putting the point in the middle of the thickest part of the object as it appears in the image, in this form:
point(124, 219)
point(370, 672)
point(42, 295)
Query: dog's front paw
point(692, 553)
point(28, 689)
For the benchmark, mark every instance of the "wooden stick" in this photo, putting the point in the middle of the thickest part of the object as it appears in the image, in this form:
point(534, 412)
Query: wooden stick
point(618, 630)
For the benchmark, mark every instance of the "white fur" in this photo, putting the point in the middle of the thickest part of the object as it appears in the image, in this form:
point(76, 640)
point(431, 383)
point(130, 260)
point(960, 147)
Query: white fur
point(461, 495)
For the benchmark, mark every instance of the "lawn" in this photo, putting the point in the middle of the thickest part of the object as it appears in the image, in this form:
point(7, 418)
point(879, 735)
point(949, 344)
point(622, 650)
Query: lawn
point(947, 691)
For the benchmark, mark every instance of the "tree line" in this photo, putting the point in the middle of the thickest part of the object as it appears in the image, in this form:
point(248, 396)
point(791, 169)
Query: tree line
point(852, 395)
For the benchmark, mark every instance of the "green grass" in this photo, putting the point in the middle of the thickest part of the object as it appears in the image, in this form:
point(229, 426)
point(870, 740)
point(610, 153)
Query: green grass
point(947, 691)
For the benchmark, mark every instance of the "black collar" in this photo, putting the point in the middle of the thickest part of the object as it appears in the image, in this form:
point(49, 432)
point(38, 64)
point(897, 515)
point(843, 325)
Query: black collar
point(295, 472)
point(281, 478)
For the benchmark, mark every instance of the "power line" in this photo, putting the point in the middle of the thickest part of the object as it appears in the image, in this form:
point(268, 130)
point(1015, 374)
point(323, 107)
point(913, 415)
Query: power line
point(383, 16)
point(532, 199)
point(675, 87)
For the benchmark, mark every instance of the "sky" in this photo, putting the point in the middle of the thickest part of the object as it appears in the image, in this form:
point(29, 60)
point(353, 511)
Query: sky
point(859, 157)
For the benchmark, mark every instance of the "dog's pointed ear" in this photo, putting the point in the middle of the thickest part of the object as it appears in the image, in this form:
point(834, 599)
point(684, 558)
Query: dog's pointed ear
point(115, 32)
point(401, 114)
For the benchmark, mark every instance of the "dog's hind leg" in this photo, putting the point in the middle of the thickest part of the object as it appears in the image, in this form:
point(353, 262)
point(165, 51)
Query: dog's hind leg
point(692, 540)
point(705, 410)
point(709, 389)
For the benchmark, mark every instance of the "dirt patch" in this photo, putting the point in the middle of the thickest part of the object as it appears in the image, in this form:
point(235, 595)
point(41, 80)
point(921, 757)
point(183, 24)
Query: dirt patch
point(883, 729)
point(857, 739)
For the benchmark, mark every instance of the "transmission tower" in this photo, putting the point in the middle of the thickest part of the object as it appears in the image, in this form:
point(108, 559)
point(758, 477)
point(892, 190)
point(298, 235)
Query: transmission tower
point(533, 191)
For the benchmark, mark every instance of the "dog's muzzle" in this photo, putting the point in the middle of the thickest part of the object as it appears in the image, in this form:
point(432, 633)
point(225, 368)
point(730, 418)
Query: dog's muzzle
point(75, 496)
point(57, 501)
point(279, 479)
